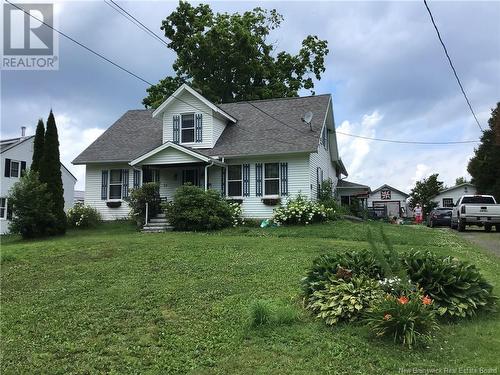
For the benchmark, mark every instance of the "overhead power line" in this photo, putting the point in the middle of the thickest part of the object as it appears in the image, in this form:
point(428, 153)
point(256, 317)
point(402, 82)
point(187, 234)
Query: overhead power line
point(82, 45)
point(113, 5)
point(451, 65)
point(406, 142)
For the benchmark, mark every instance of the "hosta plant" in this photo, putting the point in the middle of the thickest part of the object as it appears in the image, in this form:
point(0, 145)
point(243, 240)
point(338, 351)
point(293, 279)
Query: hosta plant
point(361, 262)
point(458, 288)
point(344, 300)
point(408, 319)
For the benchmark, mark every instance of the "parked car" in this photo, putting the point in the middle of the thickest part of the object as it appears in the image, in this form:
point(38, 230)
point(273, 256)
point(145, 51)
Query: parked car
point(480, 210)
point(439, 217)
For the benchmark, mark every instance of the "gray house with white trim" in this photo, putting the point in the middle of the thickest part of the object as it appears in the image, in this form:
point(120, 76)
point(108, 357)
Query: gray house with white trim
point(254, 151)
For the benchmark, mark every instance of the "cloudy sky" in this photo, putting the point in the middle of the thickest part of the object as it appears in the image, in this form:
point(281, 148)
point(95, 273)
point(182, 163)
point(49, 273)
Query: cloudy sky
point(386, 71)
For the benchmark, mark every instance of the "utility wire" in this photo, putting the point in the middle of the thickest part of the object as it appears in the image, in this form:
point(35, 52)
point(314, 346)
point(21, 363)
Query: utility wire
point(134, 20)
point(406, 142)
point(187, 103)
point(81, 44)
point(451, 65)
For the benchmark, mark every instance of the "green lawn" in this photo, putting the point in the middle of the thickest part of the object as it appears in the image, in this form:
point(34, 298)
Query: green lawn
point(117, 301)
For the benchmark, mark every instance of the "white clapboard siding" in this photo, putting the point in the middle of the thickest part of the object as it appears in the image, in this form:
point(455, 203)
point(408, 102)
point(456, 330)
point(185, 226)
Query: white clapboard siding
point(93, 177)
point(219, 124)
point(454, 194)
point(170, 156)
point(322, 159)
point(187, 103)
point(298, 182)
point(395, 196)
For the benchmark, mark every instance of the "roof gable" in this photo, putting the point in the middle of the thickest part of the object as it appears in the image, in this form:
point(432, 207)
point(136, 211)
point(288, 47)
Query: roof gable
point(175, 96)
point(385, 186)
point(171, 153)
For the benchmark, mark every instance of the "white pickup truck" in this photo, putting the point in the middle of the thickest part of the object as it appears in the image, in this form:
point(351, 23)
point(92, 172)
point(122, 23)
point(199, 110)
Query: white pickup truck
point(481, 210)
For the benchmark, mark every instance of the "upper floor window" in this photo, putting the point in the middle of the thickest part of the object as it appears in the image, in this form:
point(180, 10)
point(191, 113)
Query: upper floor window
point(115, 184)
point(15, 168)
point(187, 128)
point(234, 181)
point(271, 179)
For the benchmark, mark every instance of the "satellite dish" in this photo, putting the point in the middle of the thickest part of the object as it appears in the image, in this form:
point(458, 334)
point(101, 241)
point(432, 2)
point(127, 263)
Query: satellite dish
point(307, 118)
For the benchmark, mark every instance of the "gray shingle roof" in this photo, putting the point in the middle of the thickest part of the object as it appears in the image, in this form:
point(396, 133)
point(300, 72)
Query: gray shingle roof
point(255, 133)
point(351, 185)
point(131, 136)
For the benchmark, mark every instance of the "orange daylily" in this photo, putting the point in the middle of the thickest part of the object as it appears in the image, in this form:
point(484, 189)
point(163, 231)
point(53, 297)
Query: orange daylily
point(426, 300)
point(403, 300)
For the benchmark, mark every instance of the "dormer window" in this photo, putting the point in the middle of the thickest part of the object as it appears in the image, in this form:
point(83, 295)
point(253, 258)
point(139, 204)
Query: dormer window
point(187, 128)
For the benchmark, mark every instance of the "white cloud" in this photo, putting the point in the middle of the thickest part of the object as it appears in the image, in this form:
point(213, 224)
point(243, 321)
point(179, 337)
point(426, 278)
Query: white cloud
point(73, 139)
point(354, 150)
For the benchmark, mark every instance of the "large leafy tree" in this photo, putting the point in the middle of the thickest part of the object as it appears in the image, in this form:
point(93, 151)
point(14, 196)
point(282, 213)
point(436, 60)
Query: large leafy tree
point(50, 173)
point(228, 57)
point(460, 181)
point(424, 191)
point(484, 166)
point(38, 146)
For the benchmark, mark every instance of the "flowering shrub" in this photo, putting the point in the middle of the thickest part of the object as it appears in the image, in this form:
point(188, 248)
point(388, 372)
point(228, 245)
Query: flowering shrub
point(82, 216)
point(236, 214)
point(408, 319)
point(301, 210)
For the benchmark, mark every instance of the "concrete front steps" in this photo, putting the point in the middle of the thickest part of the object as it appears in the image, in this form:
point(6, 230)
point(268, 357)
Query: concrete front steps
point(157, 224)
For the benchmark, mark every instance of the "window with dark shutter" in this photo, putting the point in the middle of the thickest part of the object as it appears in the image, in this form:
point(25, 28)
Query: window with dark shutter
point(234, 181)
point(223, 181)
point(199, 127)
point(258, 179)
point(271, 179)
point(137, 178)
point(7, 168)
point(3, 208)
point(187, 128)
point(104, 185)
point(246, 180)
point(175, 130)
point(23, 167)
point(125, 183)
point(284, 178)
point(115, 183)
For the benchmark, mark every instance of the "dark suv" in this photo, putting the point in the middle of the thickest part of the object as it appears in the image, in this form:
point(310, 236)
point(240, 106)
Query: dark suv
point(439, 216)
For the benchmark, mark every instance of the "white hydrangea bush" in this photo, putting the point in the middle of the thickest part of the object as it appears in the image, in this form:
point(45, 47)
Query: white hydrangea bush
point(236, 212)
point(82, 216)
point(301, 210)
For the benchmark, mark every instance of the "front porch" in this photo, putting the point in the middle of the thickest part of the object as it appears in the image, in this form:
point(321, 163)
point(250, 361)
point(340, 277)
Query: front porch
point(172, 166)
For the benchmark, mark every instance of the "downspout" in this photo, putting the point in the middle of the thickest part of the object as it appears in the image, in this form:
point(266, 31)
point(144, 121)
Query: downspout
point(206, 174)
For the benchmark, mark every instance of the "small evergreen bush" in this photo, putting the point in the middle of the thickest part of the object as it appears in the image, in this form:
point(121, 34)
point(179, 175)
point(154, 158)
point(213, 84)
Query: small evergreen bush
point(32, 205)
point(458, 288)
point(82, 216)
point(195, 209)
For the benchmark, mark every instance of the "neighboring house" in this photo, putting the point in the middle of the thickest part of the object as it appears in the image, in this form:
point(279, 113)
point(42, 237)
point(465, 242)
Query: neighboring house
point(392, 199)
point(79, 196)
point(347, 192)
point(448, 197)
point(254, 152)
point(16, 156)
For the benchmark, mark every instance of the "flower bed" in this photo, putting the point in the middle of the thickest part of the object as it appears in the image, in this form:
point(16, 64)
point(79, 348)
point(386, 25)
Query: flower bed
point(300, 210)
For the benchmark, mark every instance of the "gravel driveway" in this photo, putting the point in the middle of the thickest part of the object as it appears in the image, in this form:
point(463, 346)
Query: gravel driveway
point(489, 241)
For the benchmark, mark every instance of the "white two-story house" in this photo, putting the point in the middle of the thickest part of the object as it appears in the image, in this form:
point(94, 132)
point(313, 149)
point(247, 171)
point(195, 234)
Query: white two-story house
point(254, 152)
point(16, 156)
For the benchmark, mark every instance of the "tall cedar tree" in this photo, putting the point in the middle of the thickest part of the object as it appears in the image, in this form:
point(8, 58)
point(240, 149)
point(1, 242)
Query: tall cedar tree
point(228, 58)
point(38, 146)
point(424, 191)
point(484, 166)
point(50, 173)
